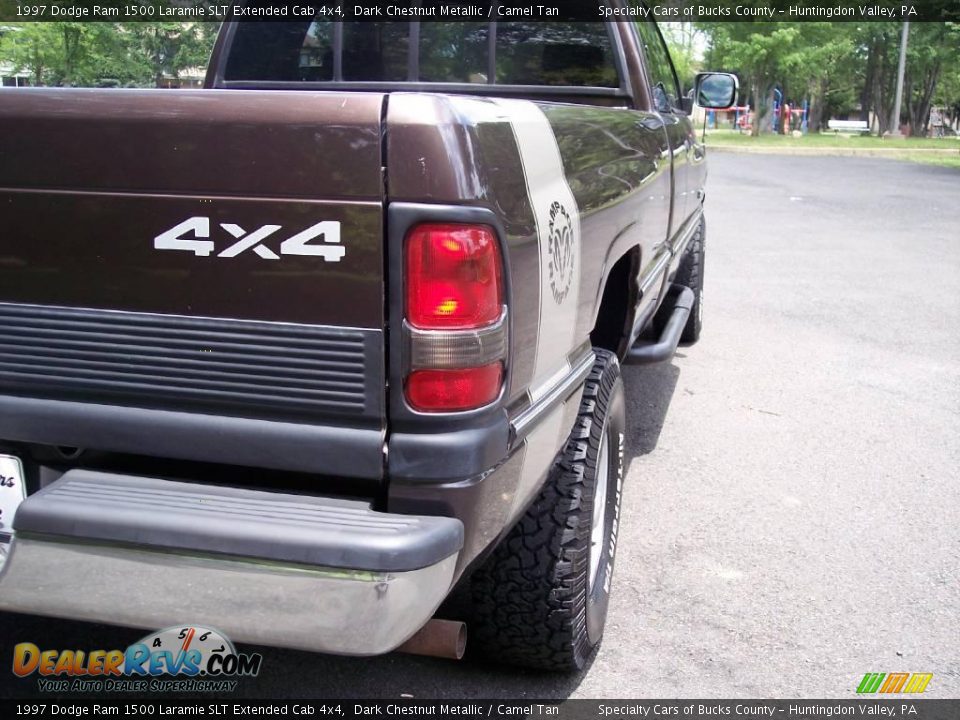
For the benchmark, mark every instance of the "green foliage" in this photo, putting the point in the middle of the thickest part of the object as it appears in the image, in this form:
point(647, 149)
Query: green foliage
point(683, 39)
point(760, 52)
point(89, 54)
point(841, 68)
point(947, 95)
point(165, 49)
point(56, 51)
point(933, 52)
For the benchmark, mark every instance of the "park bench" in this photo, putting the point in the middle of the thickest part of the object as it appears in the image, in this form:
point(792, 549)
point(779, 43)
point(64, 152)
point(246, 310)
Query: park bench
point(849, 126)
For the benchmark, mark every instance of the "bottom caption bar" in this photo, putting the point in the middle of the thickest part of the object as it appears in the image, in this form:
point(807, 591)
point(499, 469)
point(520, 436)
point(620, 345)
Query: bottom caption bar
point(910, 709)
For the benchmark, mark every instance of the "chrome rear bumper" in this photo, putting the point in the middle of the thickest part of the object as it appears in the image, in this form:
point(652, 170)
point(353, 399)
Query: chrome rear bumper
point(265, 600)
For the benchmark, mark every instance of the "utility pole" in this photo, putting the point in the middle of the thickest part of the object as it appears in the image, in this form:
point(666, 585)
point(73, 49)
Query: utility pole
point(895, 115)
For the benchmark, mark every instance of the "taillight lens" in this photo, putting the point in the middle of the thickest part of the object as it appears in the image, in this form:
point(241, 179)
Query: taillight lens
point(454, 317)
point(453, 276)
point(452, 390)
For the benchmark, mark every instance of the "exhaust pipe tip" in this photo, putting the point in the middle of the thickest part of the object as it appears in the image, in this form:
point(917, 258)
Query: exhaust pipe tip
point(438, 638)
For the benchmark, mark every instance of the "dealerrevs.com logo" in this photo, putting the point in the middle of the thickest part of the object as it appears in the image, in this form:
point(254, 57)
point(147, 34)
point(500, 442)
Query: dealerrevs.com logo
point(179, 659)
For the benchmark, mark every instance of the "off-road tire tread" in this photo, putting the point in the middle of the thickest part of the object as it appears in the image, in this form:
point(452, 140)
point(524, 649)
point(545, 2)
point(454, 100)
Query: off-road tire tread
point(690, 274)
point(529, 598)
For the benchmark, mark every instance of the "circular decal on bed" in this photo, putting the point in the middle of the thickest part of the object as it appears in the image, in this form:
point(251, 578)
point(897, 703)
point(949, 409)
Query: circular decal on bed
point(561, 252)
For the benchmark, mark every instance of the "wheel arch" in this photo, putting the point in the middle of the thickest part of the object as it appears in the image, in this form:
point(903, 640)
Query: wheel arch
point(618, 298)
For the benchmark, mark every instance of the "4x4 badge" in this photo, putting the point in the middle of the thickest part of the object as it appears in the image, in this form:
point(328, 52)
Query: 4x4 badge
point(300, 244)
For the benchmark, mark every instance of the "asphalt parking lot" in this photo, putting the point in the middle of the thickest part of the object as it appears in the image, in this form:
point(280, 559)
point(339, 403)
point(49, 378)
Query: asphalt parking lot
point(792, 508)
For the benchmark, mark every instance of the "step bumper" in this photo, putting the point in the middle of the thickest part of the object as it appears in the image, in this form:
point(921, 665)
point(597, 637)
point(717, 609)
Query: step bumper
point(318, 574)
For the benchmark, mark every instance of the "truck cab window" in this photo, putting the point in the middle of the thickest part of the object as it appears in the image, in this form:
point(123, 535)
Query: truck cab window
point(316, 53)
point(558, 54)
point(453, 52)
point(572, 54)
point(372, 51)
point(663, 78)
point(375, 51)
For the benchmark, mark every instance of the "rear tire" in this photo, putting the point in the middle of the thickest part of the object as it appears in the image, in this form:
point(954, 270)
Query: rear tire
point(690, 274)
point(540, 600)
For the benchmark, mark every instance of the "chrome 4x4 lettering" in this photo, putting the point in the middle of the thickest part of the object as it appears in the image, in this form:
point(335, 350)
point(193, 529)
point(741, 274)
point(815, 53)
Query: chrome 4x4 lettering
point(193, 235)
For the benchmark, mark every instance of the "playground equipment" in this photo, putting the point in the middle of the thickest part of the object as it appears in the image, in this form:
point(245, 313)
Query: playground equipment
point(785, 114)
point(742, 117)
point(780, 108)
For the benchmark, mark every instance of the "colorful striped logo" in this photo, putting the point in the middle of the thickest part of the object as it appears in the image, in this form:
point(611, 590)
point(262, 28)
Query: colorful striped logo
point(894, 683)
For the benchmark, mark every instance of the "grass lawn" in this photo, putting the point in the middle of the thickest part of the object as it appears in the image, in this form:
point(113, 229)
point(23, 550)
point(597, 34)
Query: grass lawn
point(831, 140)
point(909, 149)
point(942, 160)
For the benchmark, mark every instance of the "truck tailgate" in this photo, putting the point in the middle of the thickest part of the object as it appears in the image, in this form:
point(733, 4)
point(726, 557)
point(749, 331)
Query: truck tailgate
point(218, 253)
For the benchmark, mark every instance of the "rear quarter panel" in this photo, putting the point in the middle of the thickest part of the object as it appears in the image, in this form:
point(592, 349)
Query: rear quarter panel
point(613, 172)
point(609, 169)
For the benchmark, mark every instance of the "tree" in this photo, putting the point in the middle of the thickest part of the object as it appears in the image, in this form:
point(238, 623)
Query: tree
point(879, 44)
point(947, 95)
point(54, 53)
point(165, 49)
point(821, 66)
point(933, 48)
point(757, 52)
point(840, 66)
point(87, 54)
point(683, 39)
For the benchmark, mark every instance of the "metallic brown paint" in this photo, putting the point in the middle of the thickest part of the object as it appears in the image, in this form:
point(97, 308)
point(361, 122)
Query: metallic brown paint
point(103, 172)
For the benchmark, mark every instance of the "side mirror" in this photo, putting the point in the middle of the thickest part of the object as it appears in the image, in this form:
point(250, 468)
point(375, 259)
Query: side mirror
point(716, 91)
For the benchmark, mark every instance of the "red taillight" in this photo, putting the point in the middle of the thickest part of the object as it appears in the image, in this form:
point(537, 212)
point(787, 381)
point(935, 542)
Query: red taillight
point(455, 317)
point(453, 276)
point(452, 390)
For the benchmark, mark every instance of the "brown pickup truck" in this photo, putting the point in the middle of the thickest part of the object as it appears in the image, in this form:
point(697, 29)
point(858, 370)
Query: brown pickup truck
point(308, 352)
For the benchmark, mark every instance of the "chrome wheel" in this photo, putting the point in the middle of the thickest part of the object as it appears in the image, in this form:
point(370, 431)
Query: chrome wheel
point(599, 526)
